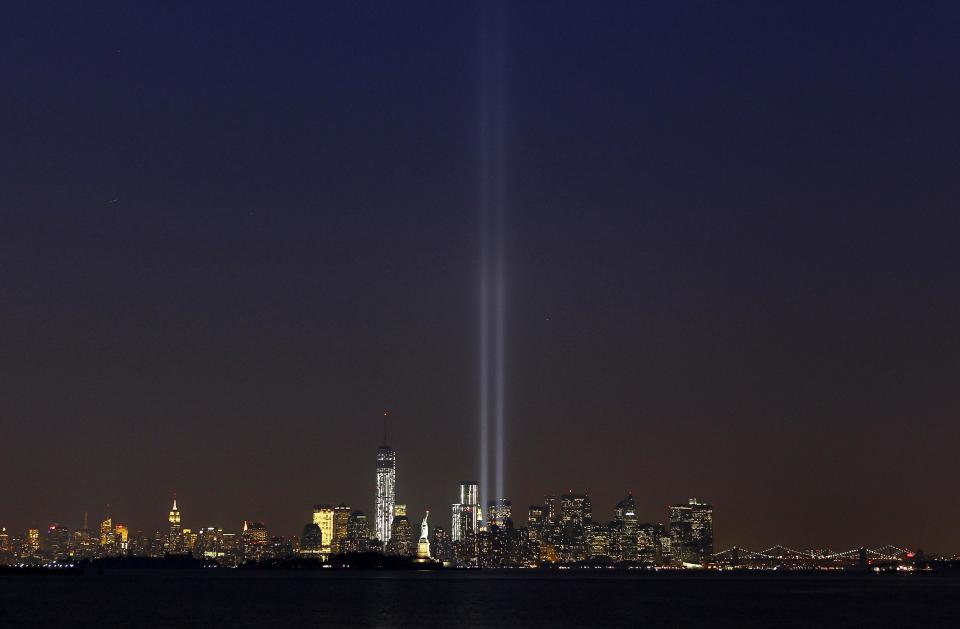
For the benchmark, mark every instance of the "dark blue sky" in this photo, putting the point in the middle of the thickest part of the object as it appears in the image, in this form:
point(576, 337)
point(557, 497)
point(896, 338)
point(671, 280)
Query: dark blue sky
point(231, 234)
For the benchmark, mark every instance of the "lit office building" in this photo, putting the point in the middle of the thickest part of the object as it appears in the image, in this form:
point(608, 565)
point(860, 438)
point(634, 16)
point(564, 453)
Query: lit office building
point(456, 528)
point(537, 533)
point(175, 532)
point(323, 517)
point(465, 515)
point(647, 542)
point(341, 523)
point(537, 521)
point(189, 540)
point(576, 513)
point(255, 541)
point(57, 542)
point(576, 507)
point(358, 534)
point(121, 537)
point(386, 491)
point(107, 534)
point(401, 542)
point(552, 505)
point(441, 544)
point(231, 545)
point(598, 540)
point(499, 512)
point(210, 543)
point(33, 540)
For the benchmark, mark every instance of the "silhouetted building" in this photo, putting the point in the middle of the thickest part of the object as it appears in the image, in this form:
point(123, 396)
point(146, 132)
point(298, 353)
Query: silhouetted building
point(625, 517)
point(311, 542)
point(691, 531)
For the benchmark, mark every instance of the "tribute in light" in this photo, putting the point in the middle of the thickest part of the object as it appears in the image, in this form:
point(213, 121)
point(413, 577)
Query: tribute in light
point(492, 202)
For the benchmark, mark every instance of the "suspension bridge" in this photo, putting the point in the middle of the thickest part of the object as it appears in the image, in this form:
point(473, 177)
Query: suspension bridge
point(782, 555)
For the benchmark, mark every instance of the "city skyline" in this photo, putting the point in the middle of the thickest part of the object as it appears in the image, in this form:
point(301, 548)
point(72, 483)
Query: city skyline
point(684, 521)
point(232, 235)
point(561, 531)
point(485, 313)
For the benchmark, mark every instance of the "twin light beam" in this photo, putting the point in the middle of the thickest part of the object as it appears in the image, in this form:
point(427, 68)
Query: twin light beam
point(492, 201)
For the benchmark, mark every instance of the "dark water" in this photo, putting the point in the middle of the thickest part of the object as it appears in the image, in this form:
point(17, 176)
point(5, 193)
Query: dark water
point(237, 600)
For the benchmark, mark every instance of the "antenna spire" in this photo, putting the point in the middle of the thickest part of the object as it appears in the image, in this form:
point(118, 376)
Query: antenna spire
point(386, 413)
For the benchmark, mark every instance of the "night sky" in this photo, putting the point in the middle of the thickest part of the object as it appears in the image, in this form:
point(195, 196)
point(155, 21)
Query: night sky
point(232, 233)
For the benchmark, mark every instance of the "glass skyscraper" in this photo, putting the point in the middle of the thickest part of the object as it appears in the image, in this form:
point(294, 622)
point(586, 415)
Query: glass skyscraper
point(386, 491)
point(466, 513)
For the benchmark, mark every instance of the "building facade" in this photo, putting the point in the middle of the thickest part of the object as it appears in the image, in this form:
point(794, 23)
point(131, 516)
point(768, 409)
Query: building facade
point(691, 531)
point(341, 522)
point(465, 514)
point(323, 517)
point(386, 492)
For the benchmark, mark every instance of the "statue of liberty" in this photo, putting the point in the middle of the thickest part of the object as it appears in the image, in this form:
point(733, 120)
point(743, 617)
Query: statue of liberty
point(423, 546)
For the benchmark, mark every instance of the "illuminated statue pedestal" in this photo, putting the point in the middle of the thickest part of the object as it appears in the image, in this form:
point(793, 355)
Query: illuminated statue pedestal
point(423, 551)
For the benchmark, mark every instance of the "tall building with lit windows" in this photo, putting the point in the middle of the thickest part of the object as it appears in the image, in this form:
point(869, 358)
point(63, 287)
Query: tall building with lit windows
point(33, 540)
point(499, 512)
point(254, 541)
point(121, 536)
point(576, 515)
point(358, 535)
point(56, 542)
point(386, 491)
point(175, 532)
point(341, 524)
point(401, 539)
point(465, 515)
point(107, 535)
point(552, 504)
point(537, 523)
point(323, 517)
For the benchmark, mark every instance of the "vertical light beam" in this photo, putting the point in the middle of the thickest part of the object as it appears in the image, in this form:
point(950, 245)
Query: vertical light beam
point(484, 310)
point(492, 204)
point(499, 183)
